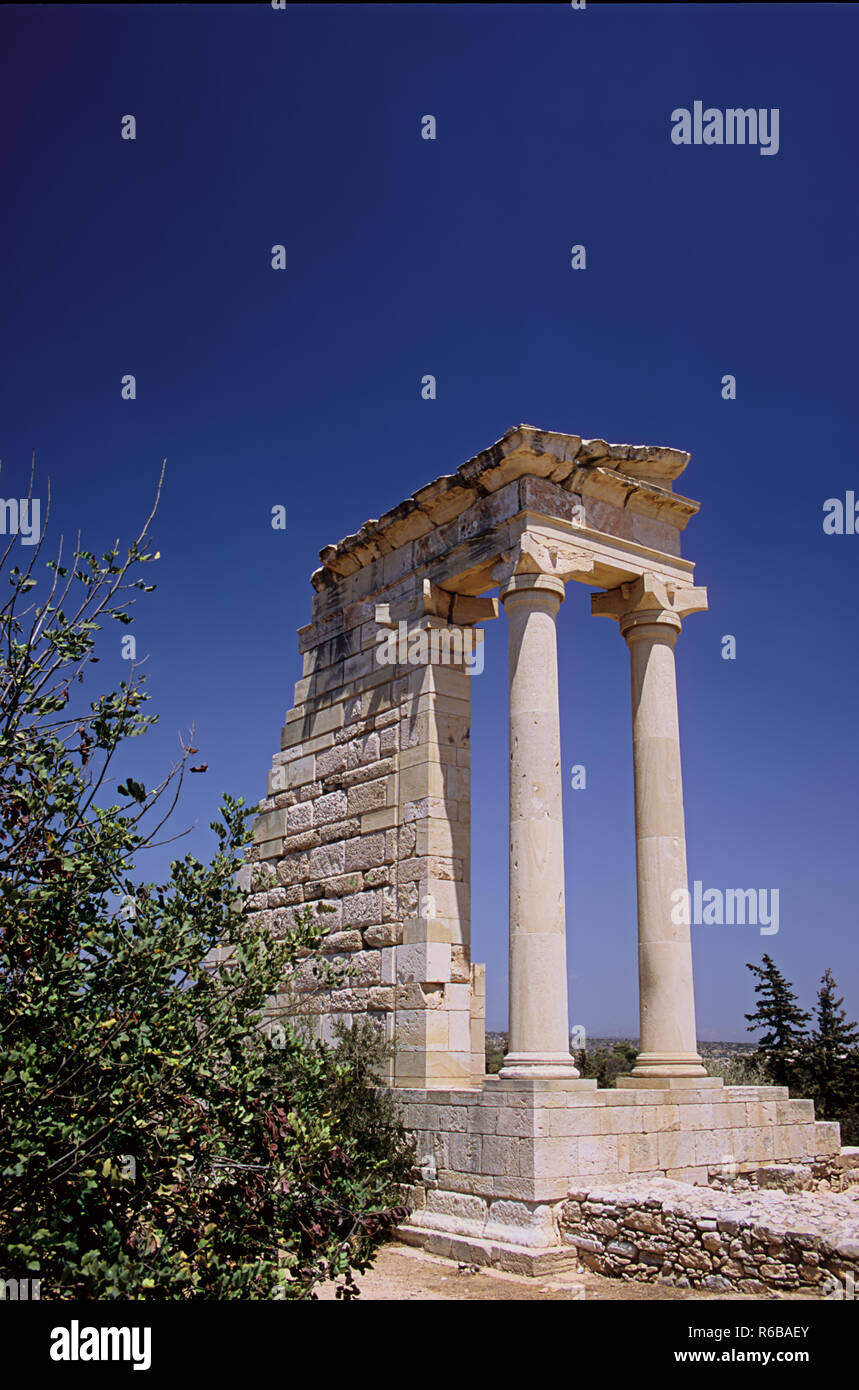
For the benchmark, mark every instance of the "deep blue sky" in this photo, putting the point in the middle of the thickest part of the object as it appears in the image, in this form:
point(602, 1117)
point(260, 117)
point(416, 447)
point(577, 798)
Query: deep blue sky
point(407, 257)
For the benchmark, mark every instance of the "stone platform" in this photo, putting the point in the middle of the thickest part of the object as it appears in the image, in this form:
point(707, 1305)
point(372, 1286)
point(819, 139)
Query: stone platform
point(498, 1163)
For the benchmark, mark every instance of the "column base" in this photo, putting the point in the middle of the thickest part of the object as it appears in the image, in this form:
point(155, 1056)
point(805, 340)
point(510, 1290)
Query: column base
point(669, 1064)
point(668, 1083)
point(551, 1065)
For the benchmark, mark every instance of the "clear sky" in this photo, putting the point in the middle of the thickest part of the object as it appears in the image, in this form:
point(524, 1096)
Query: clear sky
point(405, 257)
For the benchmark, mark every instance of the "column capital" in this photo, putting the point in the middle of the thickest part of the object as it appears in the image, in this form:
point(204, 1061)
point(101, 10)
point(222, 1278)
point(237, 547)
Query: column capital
point(535, 563)
point(651, 600)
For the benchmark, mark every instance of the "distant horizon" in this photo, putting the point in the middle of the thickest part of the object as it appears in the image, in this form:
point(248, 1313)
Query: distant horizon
point(628, 1037)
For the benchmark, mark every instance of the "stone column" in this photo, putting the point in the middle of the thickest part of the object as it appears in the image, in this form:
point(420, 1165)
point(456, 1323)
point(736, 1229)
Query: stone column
point(539, 1024)
point(649, 612)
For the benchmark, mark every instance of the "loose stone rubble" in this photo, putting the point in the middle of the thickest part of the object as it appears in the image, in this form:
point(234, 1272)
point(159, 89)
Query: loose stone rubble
point(826, 1175)
point(368, 811)
point(750, 1242)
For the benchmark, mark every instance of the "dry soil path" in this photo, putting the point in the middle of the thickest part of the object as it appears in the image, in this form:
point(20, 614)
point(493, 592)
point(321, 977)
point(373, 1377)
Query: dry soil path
point(403, 1273)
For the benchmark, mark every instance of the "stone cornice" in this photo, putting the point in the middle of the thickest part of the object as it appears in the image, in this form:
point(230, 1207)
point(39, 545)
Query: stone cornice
point(635, 476)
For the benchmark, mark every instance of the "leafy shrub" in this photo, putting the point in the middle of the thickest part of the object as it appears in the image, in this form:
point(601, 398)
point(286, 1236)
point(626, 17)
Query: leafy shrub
point(148, 1149)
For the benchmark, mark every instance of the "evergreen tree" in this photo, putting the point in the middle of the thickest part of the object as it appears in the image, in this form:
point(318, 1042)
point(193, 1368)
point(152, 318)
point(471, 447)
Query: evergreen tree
point(833, 1055)
point(778, 1013)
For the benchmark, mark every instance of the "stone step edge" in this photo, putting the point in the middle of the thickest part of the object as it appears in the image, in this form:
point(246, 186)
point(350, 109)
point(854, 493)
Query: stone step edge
point(512, 1259)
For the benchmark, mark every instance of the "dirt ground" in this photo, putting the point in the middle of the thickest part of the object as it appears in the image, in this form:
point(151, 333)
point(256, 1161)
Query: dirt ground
point(404, 1273)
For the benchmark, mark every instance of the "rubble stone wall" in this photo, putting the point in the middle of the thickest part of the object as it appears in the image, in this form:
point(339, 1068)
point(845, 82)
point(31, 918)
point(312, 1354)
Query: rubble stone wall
point(668, 1232)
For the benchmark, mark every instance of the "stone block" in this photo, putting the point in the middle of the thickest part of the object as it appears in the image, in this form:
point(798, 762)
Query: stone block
point(331, 807)
point(422, 1028)
point(387, 965)
point(760, 1113)
point(419, 996)
point(565, 1121)
point(380, 997)
point(643, 1152)
point(328, 860)
point(363, 750)
point(387, 934)
point(363, 909)
point(270, 826)
point(330, 762)
point(367, 852)
point(628, 1119)
point(795, 1112)
point(658, 1118)
point(343, 941)
point(385, 819)
point(299, 817)
point(824, 1139)
point(709, 1148)
point(696, 1116)
point(426, 963)
point(459, 1031)
point(551, 1157)
point(499, 1155)
point(520, 1123)
point(599, 1154)
point(368, 796)
point(788, 1143)
point(293, 868)
point(458, 1205)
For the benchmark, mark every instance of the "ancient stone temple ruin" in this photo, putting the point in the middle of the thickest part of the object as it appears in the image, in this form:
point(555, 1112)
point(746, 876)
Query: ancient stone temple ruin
point(368, 810)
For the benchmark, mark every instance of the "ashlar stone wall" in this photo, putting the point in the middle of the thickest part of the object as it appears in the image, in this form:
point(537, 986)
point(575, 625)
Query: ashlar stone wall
point(368, 811)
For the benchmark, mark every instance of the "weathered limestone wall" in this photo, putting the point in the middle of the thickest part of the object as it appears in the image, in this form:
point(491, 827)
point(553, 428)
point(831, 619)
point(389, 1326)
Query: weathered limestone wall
point(562, 1133)
point(368, 811)
point(497, 1167)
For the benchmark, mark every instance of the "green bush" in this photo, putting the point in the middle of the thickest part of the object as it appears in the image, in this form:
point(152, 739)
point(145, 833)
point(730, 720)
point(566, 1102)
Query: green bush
point(605, 1064)
point(741, 1069)
point(148, 1146)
